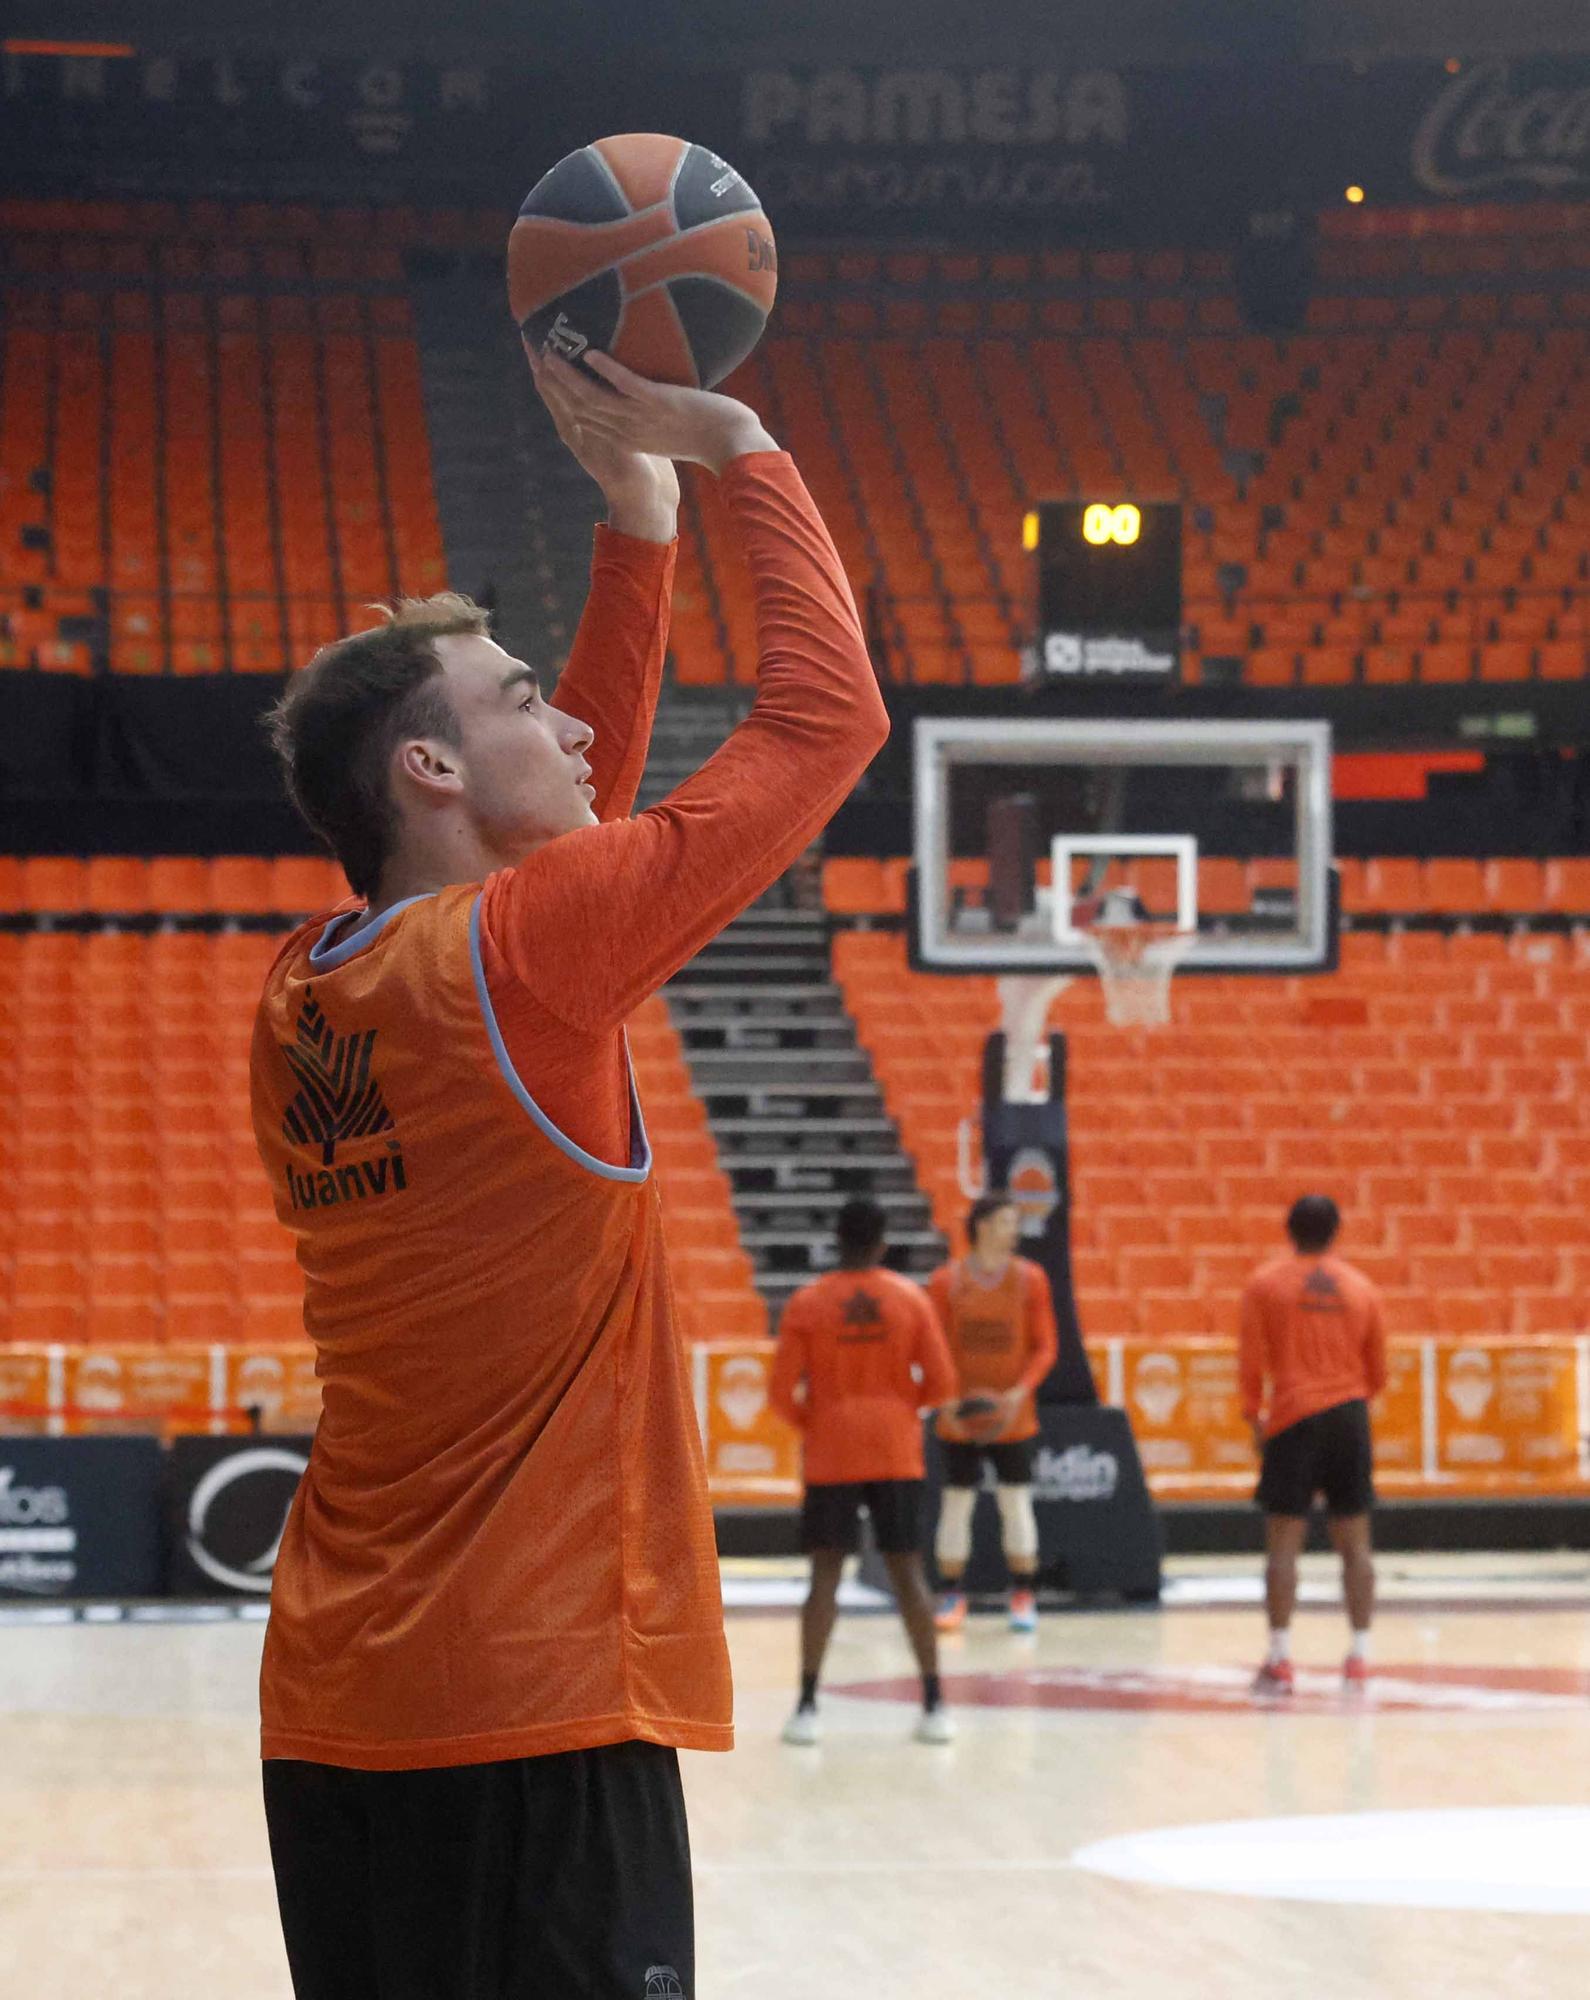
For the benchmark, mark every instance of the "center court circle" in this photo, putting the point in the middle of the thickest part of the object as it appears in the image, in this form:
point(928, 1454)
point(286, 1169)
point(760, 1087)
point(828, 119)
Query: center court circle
point(1526, 1859)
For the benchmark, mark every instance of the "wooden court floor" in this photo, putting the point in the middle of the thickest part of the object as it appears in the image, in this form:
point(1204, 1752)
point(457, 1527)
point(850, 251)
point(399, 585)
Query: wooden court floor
point(1116, 1821)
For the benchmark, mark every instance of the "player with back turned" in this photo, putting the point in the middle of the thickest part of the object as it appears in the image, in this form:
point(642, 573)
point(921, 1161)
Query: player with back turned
point(1311, 1356)
point(860, 1357)
point(496, 1613)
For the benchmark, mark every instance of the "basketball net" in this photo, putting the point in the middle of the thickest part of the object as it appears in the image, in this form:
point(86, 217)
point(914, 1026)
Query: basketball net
point(1136, 961)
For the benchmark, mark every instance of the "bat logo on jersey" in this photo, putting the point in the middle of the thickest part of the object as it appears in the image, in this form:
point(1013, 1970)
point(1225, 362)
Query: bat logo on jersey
point(338, 1102)
point(337, 1096)
point(862, 1317)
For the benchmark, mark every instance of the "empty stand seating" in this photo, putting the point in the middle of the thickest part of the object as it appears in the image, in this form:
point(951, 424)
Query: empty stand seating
point(213, 449)
point(1352, 511)
point(135, 1211)
point(1438, 1086)
point(1393, 886)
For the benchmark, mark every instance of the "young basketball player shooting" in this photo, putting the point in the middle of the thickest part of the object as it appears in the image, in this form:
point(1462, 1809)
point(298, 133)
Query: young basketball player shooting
point(496, 1614)
point(998, 1317)
point(860, 1357)
point(1312, 1354)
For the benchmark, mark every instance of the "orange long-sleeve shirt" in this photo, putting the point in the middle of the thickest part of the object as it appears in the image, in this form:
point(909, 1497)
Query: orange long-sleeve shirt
point(1311, 1337)
point(1002, 1335)
point(869, 1350)
point(503, 1544)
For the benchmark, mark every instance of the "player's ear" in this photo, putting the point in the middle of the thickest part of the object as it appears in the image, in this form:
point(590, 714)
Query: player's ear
point(429, 767)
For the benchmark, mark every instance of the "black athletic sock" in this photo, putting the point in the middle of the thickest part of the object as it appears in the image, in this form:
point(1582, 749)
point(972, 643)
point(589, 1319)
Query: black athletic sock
point(808, 1691)
point(931, 1694)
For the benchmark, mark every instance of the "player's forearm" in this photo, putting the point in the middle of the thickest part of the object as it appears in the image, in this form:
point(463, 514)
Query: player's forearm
point(615, 668)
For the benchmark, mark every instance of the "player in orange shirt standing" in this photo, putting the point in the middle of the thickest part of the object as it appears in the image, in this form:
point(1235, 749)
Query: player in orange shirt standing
point(1312, 1354)
point(496, 1614)
point(860, 1357)
point(998, 1317)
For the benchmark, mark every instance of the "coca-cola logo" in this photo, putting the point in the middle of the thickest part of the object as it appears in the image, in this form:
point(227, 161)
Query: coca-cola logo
point(1485, 130)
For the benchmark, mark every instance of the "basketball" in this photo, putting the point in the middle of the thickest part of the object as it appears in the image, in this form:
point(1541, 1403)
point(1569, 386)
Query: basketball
point(649, 248)
point(979, 1413)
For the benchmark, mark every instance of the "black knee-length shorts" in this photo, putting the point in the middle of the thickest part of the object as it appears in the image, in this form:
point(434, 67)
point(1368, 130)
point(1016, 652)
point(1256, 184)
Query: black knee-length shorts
point(542, 1878)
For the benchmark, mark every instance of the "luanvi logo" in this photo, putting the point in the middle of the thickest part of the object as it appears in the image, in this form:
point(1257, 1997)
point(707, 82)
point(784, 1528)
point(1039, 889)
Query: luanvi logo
point(338, 1102)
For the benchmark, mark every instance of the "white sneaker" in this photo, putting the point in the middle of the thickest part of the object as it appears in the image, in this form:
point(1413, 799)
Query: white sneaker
point(803, 1728)
point(934, 1725)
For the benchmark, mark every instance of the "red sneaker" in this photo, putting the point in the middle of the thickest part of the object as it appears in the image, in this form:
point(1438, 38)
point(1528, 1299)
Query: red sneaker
point(1274, 1677)
point(1355, 1672)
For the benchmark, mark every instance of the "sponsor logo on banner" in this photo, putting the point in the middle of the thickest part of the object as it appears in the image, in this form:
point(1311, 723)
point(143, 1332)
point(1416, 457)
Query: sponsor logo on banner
point(910, 141)
point(742, 1389)
point(1156, 1386)
point(1067, 653)
point(1470, 1383)
point(381, 104)
point(1077, 1473)
point(237, 1512)
point(1486, 130)
point(1033, 1188)
point(38, 1544)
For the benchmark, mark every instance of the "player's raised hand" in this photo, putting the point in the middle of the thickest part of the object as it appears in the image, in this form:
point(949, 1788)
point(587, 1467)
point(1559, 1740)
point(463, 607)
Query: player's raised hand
point(627, 413)
point(641, 489)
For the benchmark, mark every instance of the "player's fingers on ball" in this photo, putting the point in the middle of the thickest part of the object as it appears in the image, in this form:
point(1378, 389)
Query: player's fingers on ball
point(622, 379)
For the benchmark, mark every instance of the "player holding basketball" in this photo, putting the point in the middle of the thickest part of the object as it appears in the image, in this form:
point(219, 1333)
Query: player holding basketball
point(860, 1357)
point(998, 1317)
point(496, 1612)
point(1312, 1354)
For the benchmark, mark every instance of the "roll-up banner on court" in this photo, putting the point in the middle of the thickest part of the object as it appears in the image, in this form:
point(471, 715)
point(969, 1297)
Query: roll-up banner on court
point(1039, 152)
point(80, 1517)
point(1097, 1529)
point(226, 1506)
point(753, 1457)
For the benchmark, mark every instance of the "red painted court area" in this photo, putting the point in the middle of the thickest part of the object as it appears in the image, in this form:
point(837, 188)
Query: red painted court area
point(1218, 1690)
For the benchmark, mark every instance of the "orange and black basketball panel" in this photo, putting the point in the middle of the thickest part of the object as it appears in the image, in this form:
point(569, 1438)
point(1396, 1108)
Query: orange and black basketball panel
point(649, 248)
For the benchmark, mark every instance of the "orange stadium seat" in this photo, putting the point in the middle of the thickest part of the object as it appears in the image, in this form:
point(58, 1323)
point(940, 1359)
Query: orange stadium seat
point(141, 1216)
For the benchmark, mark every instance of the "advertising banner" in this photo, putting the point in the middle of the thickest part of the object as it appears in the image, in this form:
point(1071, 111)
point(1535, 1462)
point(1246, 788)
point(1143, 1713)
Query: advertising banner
point(279, 1382)
point(226, 1506)
point(1183, 1403)
point(1397, 1414)
point(752, 1454)
point(1508, 1408)
point(80, 1517)
point(135, 1386)
point(1038, 150)
point(1097, 1528)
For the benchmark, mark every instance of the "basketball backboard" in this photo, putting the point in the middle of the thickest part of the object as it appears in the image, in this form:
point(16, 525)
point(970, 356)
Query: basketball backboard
point(1027, 829)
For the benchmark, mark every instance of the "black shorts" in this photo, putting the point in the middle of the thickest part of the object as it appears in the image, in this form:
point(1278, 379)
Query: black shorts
point(1327, 1453)
point(963, 1463)
point(831, 1516)
point(558, 1875)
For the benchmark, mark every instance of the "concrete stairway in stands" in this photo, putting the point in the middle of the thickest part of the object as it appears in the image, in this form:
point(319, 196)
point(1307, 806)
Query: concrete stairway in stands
point(690, 724)
point(516, 511)
point(790, 1097)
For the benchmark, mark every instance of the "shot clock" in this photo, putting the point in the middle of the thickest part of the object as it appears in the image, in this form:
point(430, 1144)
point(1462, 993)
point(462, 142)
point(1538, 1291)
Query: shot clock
point(1108, 588)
